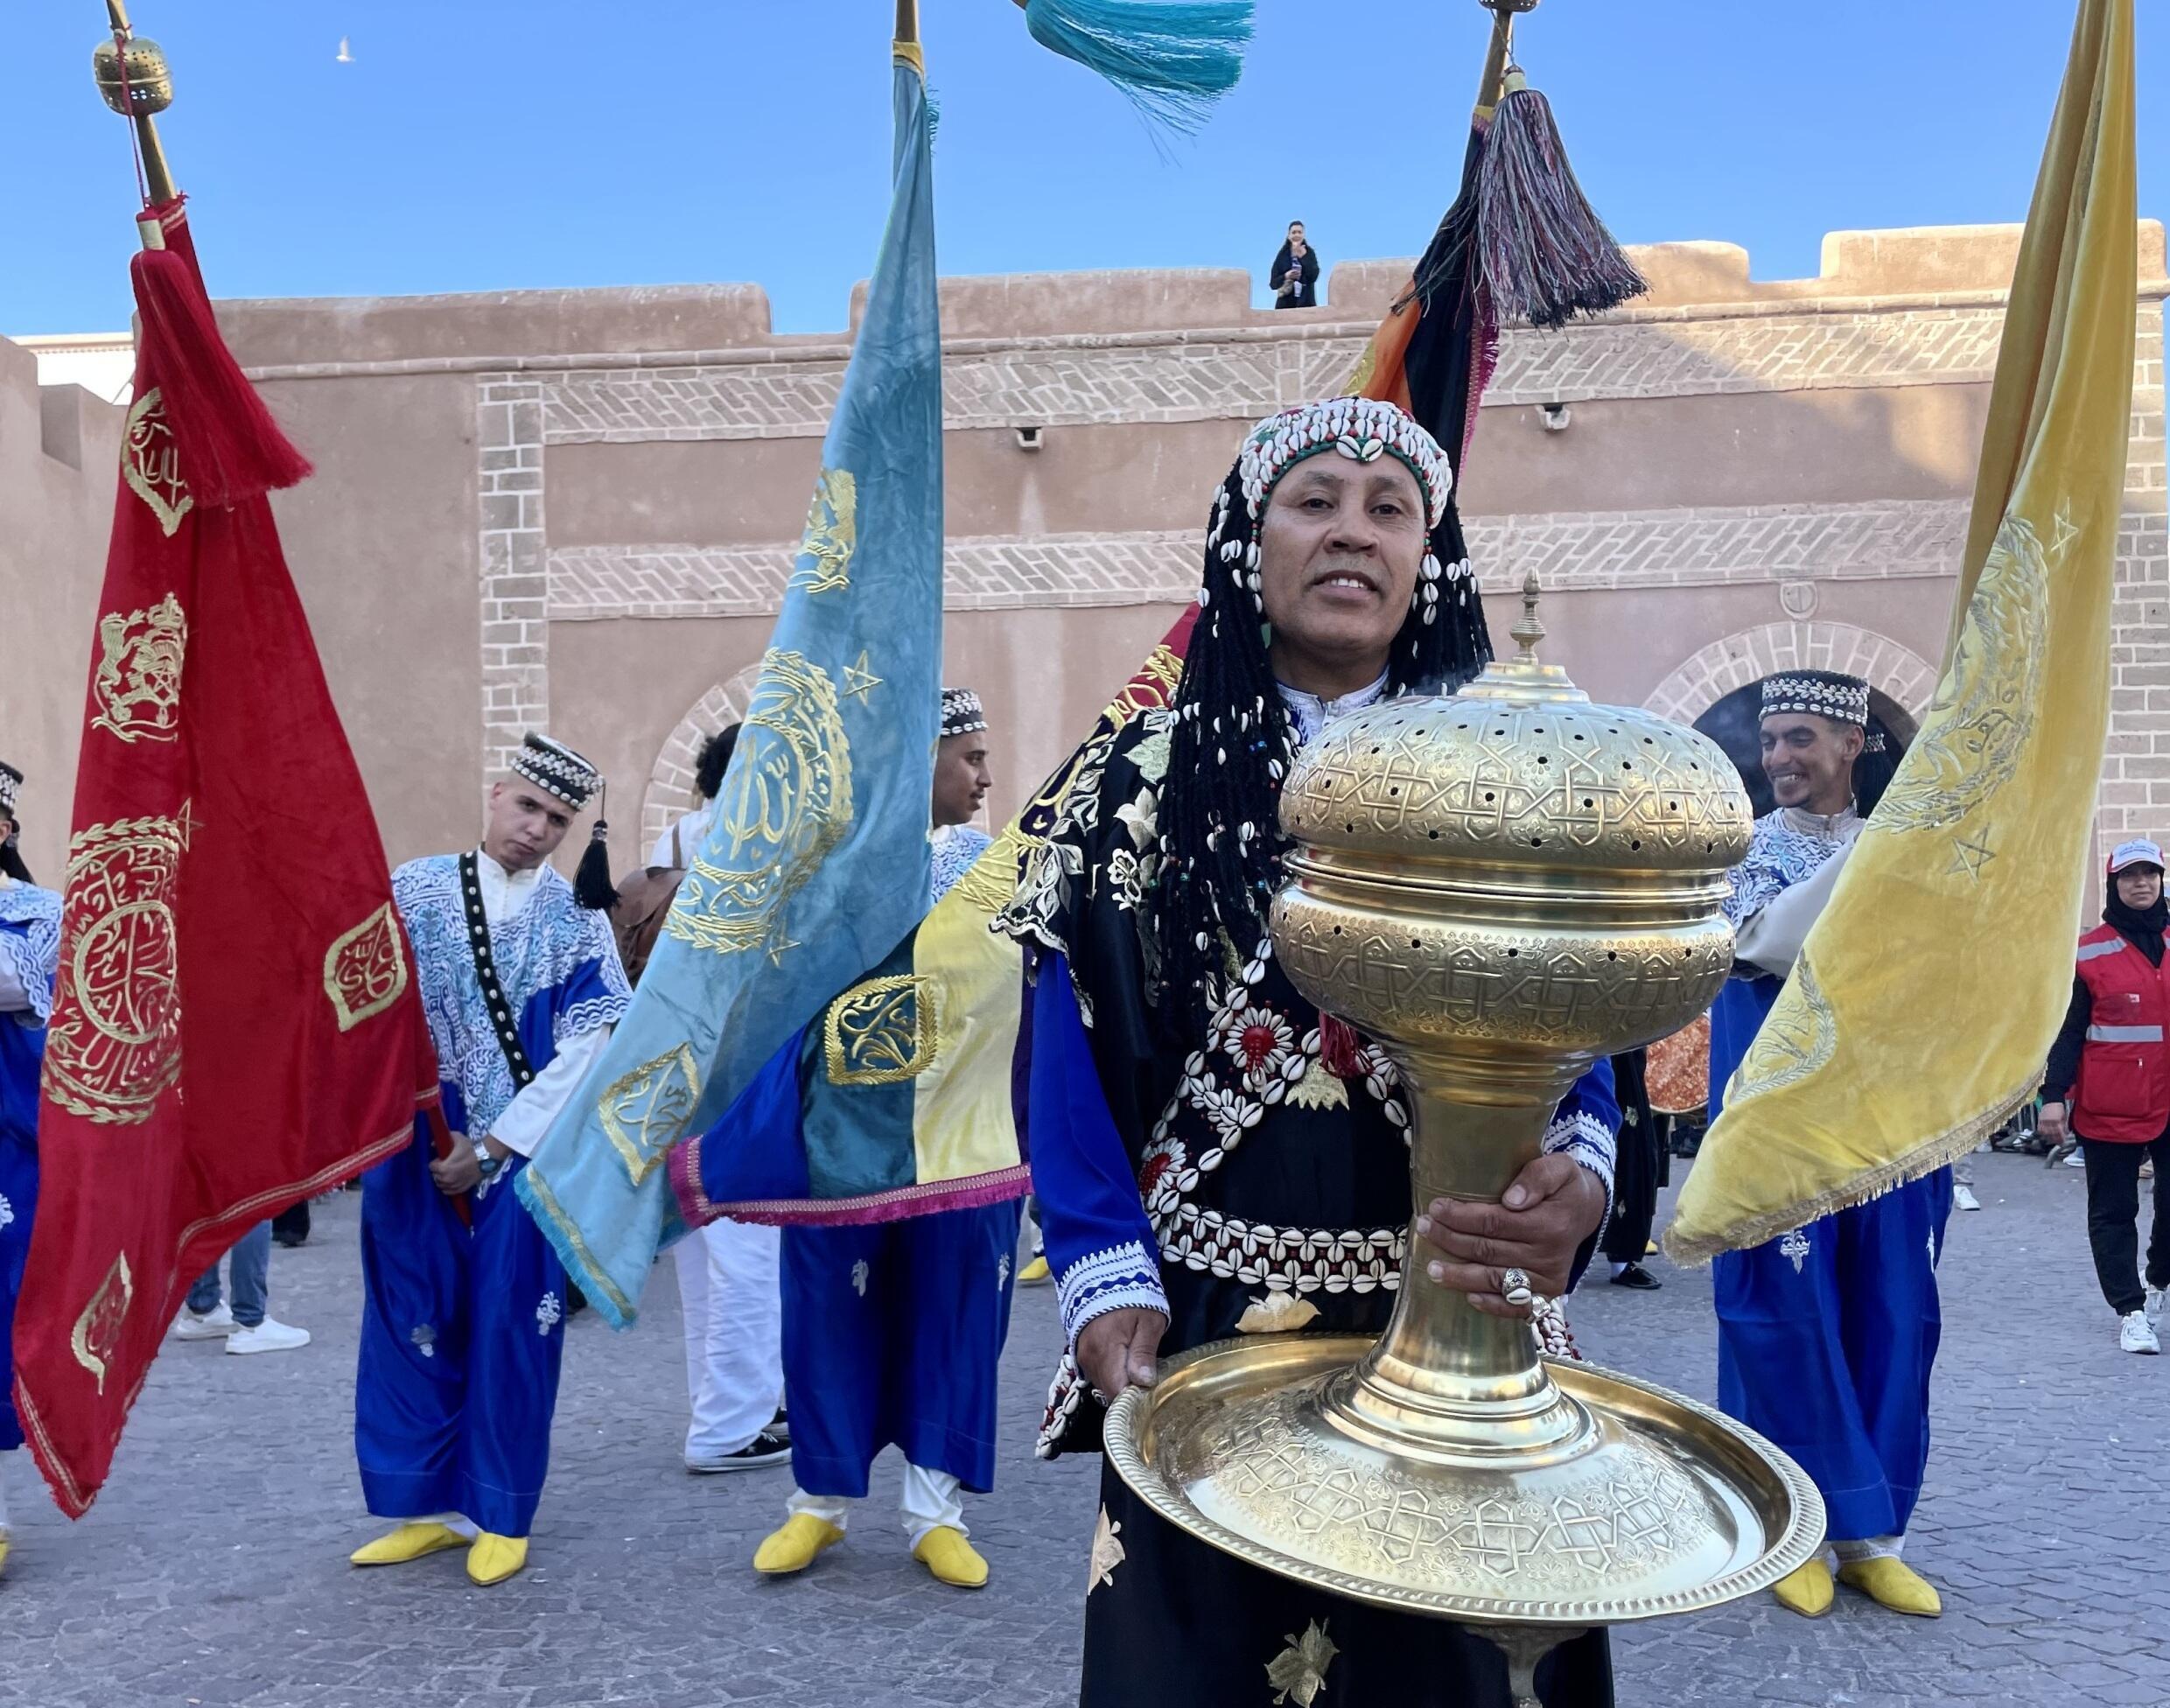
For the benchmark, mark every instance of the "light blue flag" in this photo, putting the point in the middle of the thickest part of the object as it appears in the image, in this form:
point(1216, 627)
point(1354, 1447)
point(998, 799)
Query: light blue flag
point(816, 866)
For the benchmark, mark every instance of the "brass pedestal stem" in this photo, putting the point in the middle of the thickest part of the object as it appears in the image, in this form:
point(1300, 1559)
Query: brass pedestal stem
point(1448, 1383)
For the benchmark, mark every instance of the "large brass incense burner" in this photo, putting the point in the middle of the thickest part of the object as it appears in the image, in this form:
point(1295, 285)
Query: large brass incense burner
point(1501, 887)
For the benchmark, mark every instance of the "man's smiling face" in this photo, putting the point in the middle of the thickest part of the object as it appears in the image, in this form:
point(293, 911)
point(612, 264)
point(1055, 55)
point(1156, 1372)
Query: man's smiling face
point(1809, 759)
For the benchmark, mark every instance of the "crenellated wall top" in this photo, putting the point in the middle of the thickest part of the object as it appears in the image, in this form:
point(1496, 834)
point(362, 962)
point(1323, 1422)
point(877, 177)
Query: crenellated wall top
point(1924, 267)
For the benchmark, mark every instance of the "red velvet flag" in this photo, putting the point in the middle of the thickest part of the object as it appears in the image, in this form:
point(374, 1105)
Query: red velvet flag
point(236, 1023)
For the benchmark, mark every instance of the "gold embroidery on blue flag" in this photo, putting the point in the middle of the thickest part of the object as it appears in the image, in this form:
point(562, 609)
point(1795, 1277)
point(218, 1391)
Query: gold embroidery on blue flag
point(882, 1032)
point(832, 534)
point(365, 970)
point(858, 681)
point(787, 802)
point(645, 1112)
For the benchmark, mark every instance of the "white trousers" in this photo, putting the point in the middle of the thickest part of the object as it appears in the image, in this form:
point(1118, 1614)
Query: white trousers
point(728, 1290)
point(927, 1500)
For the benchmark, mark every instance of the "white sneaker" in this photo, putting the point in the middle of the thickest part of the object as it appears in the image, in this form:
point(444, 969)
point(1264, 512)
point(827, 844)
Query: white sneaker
point(2135, 1335)
point(270, 1335)
point(1962, 1198)
point(213, 1325)
point(2077, 1160)
point(2155, 1296)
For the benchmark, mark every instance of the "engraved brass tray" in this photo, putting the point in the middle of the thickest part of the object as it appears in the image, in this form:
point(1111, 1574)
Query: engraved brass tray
point(1661, 1506)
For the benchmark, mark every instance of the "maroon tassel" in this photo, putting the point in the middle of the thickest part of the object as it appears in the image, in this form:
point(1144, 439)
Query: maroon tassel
point(1337, 1048)
point(228, 447)
point(1544, 255)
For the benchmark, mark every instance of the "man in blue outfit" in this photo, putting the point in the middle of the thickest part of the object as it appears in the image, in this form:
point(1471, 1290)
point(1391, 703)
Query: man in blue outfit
point(464, 1298)
point(1825, 1336)
point(892, 1332)
point(30, 953)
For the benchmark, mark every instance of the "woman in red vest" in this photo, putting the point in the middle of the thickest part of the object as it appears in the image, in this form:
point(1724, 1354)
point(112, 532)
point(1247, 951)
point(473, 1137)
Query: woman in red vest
point(2109, 1085)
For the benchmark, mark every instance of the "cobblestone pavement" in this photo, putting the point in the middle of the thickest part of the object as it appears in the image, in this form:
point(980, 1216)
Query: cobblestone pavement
point(214, 1571)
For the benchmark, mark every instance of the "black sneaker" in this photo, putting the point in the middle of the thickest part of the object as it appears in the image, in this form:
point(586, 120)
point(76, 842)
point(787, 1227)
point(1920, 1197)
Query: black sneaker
point(780, 1425)
point(1638, 1277)
point(763, 1450)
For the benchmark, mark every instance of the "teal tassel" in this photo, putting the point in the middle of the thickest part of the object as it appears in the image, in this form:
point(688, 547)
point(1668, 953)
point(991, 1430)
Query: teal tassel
point(1173, 58)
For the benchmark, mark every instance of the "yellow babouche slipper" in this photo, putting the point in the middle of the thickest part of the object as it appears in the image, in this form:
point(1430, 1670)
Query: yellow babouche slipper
point(1806, 1589)
point(491, 1560)
point(3, 1550)
point(1891, 1583)
point(408, 1542)
point(1034, 1274)
point(793, 1548)
point(944, 1551)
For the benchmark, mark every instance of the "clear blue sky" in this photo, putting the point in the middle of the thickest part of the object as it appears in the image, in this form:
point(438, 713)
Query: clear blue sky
point(485, 144)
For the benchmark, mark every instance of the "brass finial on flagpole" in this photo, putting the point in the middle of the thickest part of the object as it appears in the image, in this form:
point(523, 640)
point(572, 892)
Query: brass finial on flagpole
point(137, 83)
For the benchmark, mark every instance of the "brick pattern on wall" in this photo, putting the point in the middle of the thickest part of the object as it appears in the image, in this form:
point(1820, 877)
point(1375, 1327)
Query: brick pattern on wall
point(1718, 668)
point(514, 589)
point(1064, 382)
point(2135, 798)
point(1571, 550)
point(590, 582)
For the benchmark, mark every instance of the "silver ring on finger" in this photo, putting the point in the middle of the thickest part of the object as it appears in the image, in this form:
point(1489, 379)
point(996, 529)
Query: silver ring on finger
point(1514, 1287)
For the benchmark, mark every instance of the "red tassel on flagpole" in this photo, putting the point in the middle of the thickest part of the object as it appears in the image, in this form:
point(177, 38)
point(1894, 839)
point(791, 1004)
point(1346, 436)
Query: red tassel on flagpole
point(228, 443)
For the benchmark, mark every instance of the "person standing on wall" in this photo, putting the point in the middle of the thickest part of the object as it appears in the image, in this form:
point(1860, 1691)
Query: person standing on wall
point(2107, 1086)
point(1296, 271)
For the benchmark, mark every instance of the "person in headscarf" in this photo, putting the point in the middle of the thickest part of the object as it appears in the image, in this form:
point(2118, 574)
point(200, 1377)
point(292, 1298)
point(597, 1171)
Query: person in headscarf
point(894, 1331)
point(463, 1298)
point(1826, 1336)
point(1212, 1155)
point(30, 958)
point(2108, 1085)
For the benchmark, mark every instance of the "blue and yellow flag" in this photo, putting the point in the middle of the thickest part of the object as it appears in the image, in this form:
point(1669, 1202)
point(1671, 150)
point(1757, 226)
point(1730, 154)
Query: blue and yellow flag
point(1926, 996)
point(817, 865)
point(899, 1100)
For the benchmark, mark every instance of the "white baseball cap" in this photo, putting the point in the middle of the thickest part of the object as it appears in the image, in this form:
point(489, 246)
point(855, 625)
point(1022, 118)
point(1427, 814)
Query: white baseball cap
point(2138, 853)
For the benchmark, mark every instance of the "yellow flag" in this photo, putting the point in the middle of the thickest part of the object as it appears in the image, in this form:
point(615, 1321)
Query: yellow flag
point(1926, 996)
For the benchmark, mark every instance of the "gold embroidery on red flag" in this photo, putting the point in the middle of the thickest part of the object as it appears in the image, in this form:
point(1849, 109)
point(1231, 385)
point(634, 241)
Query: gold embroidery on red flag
point(365, 970)
point(97, 1331)
point(150, 464)
point(114, 1044)
point(138, 683)
point(645, 1112)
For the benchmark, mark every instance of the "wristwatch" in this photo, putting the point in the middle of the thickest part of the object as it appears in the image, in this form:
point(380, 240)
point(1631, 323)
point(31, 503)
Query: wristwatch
point(491, 1166)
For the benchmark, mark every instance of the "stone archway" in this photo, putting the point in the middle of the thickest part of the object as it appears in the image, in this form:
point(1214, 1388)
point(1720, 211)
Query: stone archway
point(1740, 659)
point(670, 779)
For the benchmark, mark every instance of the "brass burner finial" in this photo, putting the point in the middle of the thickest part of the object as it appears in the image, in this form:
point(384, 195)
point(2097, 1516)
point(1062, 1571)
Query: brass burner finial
point(135, 83)
point(1529, 630)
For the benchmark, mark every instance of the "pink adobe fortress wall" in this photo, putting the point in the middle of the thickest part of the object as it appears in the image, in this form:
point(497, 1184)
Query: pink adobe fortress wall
point(577, 509)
